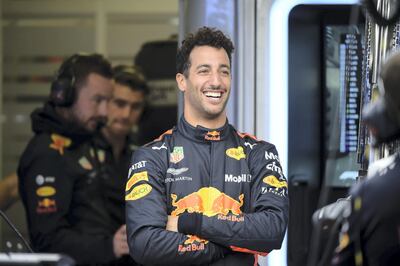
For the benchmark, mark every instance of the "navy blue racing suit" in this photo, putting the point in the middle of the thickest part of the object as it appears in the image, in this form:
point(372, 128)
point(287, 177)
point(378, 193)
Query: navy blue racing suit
point(227, 188)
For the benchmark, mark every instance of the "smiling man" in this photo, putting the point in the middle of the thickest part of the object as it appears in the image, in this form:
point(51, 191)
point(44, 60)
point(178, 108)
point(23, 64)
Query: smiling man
point(204, 193)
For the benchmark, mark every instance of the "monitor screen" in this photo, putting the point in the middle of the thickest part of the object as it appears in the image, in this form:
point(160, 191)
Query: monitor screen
point(342, 61)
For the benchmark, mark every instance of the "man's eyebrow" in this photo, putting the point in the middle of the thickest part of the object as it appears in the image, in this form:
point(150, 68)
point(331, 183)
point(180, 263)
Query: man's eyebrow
point(119, 100)
point(203, 65)
point(224, 65)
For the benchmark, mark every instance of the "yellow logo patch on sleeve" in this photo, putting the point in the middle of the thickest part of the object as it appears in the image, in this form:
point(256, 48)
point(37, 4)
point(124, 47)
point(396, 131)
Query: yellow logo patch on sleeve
point(141, 176)
point(273, 181)
point(46, 191)
point(139, 192)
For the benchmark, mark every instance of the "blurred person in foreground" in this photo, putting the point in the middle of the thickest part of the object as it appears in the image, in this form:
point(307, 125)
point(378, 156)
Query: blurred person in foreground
point(60, 179)
point(370, 233)
point(203, 193)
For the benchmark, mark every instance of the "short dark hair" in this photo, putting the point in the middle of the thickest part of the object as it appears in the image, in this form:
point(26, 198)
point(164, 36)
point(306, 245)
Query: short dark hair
point(205, 36)
point(85, 64)
point(132, 77)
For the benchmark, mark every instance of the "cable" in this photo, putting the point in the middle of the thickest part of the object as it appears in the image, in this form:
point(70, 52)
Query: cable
point(16, 231)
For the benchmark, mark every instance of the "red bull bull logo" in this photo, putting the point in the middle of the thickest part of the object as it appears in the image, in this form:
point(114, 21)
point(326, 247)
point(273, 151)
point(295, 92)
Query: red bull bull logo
point(192, 243)
point(209, 201)
point(193, 239)
point(59, 143)
point(212, 135)
point(46, 205)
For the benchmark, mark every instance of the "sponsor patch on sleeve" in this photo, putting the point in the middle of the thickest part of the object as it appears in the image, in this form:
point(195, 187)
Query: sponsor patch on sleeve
point(46, 191)
point(46, 205)
point(138, 192)
point(141, 176)
point(274, 185)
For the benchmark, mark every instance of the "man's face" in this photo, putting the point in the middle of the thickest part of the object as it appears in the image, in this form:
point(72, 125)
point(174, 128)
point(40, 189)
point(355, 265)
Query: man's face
point(208, 83)
point(124, 109)
point(90, 108)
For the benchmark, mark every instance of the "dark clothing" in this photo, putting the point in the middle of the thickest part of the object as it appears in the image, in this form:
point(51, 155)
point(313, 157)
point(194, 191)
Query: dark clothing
point(227, 188)
point(115, 174)
point(371, 234)
point(62, 190)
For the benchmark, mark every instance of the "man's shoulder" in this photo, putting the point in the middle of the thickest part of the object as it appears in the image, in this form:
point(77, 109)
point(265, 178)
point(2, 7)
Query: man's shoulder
point(161, 141)
point(50, 145)
point(252, 143)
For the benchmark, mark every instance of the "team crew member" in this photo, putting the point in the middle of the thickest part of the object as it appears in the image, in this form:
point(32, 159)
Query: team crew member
point(117, 142)
point(370, 234)
point(59, 178)
point(204, 193)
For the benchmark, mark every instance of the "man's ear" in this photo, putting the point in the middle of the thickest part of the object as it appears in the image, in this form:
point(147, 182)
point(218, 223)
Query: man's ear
point(181, 81)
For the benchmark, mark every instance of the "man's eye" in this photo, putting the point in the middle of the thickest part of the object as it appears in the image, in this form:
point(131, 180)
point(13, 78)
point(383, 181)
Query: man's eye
point(119, 104)
point(98, 99)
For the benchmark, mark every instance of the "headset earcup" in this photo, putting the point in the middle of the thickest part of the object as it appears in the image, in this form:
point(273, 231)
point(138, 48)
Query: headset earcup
point(62, 92)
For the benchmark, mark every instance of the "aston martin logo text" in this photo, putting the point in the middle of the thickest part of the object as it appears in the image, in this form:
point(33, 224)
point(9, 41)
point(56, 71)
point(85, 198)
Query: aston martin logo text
point(238, 179)
point(178, 178)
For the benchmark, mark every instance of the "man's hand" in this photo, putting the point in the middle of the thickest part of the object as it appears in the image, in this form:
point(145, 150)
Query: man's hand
point(120, 243)
point(172, 224)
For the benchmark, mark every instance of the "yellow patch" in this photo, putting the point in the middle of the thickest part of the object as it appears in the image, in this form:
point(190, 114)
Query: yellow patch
point(344, 241)
point(139, 192)
point(59, 143)
point(273, 181)
point(101, 155)
point(236, 153)
point(358, 258)
point(46, 191)
point(357, 204)
point(84, 162)
point(141, 176)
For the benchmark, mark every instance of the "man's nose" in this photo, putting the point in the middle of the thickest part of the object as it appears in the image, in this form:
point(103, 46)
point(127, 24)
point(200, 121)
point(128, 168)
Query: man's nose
point(126, 111)
point(103, 109)
point(216, 80)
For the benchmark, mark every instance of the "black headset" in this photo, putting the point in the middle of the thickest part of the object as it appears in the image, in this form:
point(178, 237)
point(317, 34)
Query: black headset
point(63, 86)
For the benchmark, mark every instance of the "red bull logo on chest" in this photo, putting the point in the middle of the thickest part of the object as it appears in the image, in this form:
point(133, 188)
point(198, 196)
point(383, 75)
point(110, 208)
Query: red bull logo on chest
point(209, 201)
